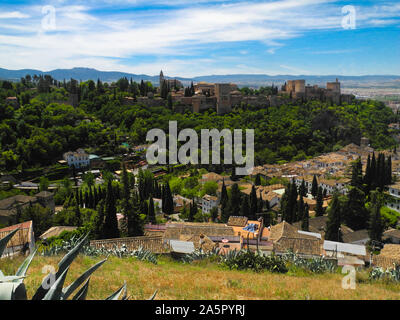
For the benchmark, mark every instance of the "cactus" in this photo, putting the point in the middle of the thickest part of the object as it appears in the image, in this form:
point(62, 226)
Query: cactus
point(13, 288)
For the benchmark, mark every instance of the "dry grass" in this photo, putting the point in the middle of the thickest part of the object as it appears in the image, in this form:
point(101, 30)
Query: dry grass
point(202, 280)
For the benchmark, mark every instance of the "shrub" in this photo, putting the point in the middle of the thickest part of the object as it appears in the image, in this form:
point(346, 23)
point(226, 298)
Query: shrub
point(245, 259)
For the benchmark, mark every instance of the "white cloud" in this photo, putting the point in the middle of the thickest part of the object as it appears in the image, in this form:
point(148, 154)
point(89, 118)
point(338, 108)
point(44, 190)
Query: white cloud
point(86, 38)
point(13, 15)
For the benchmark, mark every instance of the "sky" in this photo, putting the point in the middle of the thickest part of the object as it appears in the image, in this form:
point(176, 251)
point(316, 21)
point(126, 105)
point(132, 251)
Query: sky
point(190, 38)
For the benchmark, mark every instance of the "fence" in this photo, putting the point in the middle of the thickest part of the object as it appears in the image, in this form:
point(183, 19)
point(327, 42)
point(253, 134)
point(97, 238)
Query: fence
point(153, 244)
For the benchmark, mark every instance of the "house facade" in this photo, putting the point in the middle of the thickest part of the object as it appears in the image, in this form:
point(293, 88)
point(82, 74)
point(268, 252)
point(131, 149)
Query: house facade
point(78, 159)
point(208, 203)
point(393, 202)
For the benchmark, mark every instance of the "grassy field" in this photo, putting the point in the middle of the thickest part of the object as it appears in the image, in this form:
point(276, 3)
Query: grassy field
point(202, 280)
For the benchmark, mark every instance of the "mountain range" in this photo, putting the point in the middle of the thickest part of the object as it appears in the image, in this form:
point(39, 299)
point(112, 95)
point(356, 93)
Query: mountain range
point(251, 80)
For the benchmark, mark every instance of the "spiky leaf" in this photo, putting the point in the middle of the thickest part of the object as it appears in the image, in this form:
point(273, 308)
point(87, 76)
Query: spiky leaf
point(62, 266)
point(12, 291)
point(73, 286)
point(55, 291)
point(25, 265)
point(154, 295)
point(82, 293)
point(117, 293)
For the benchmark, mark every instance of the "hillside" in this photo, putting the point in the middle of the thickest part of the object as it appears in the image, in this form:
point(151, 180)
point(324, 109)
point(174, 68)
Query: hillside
point(200, 281)
point(253, 80)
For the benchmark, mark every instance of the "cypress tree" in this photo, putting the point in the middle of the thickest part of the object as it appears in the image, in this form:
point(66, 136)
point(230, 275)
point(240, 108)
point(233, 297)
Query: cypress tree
point(163, 199)
point(78, 215)
point(169, 201)
point(81, 200)
point(388, 171)
point(314, 187)
point(95, 197)
point(381, 172)
point(373, 172)
point(356, 215)
point(356, 174)
point(91, 198)
point(135, 227)
point(300, 209)
point(305, 220)
point(253, 204)
point(260, 203)
point(367, 176)
point(224, 195)
point(111, 222)
point(245, 207)
point(235, 199)
point(333, 231)
point(192, 211)
point(285, 206)
point(151, 213)
point(225, 213)
point(99, 221)
point(303, 189)
point(86, 199)
point(293, 203)
point(319, 210)
point(376, 223)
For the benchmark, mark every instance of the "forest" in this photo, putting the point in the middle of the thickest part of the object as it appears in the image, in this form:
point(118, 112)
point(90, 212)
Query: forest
point(42, 125)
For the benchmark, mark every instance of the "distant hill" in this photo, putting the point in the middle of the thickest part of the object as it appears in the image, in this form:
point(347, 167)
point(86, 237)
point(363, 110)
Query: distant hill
point(252, 80)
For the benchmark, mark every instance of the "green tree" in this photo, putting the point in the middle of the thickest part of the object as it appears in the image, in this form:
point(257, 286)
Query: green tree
point(305, 221)
point(110, 223)
point(356, 215)
point(376, 223)
point(333, 230)
point(357, 174)
point(319, 210)
point(253, 204)
point(169, 201)
point(314, 187)
point(151, 213)
point(245, 207)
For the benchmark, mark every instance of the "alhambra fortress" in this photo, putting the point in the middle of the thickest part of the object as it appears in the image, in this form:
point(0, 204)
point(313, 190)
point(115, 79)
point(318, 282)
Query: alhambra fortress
point(222, 97)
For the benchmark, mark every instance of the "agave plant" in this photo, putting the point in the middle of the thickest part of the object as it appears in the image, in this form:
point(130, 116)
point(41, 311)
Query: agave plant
point(200, 255)
point(315, 265)
point(13, 288)
point(391, 274)
point(120, 252)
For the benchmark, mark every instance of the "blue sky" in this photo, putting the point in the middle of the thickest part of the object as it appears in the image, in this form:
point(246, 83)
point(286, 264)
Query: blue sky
point(193, 38)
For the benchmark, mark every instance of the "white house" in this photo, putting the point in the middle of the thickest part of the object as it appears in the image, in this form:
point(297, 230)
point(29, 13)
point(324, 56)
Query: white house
point(208, 202)
point(394, 202)
point(79, 158)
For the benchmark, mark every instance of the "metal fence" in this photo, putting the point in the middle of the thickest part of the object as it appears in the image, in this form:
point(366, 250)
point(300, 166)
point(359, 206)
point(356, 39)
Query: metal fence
point(151, 243)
